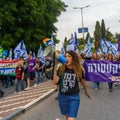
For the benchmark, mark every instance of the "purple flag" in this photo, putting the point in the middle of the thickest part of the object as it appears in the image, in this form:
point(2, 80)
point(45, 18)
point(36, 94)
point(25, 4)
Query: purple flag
point(76, 41)
point(118, 43)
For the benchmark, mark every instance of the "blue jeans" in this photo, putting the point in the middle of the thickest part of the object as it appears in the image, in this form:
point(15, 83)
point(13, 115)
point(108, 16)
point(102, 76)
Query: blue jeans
point(48, 74)
point(96, 85)
point(110, 85)
point(69, 104)
point(8, 81)
point(39, 74)
point(17, 82)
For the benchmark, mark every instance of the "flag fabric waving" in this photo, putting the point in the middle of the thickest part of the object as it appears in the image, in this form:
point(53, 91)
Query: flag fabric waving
point(87, 48)
point(48, 41)
point(63, 49)
point(20, 50)
point(17, 51)
point(40, 52)
point(23, 50)
point(76, 42)
point(118, 43)
point(10, 54)
point(73, 43)
point(103, 46)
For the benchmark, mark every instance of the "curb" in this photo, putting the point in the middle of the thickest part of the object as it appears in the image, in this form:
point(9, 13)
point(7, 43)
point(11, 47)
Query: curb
point(28, 106)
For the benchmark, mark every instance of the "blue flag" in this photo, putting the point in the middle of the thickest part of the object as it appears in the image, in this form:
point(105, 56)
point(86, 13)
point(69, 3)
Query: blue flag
point(76, 41)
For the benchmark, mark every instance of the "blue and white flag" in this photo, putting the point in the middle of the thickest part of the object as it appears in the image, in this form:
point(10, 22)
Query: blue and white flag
point(40, 52)
point(99, 51)
point(10, 54)
point(70, 47)
point(103, 46)
point(108, 47)
point(111, 47)
point(50, 42)
point(34, 56)
point(63, 49)
point(23, 50)
point(42, 59)
point(87, 48)
point(73, 43)
point(5, 52)
point(17, 51)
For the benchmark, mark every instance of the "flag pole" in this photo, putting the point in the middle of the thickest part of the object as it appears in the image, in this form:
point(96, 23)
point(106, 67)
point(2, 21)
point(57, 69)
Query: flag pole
point(53, 65)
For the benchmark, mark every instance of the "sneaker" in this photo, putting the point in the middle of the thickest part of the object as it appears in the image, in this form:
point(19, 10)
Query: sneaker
point(96, 88)
point(35, 85)
point(57, 119)
point(27, 88)
point(15, 92)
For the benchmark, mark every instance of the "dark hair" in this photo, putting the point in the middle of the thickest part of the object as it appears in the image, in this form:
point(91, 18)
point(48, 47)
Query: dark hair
point(75, 64)
point(74, 55)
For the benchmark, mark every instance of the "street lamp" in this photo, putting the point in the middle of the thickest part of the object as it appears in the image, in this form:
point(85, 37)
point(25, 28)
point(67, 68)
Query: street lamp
point(81, 8)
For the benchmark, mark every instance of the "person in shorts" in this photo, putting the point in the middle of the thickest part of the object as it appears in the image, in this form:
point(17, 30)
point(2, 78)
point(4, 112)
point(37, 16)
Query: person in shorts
point(30, 70)
point(68, 77)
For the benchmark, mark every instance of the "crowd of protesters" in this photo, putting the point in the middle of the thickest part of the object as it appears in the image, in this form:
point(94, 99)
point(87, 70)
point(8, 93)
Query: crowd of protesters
point(34, 69)
point(27, 70)
point(95, 56)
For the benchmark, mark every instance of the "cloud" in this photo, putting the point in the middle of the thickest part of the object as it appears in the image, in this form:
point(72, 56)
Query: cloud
point(70, 21)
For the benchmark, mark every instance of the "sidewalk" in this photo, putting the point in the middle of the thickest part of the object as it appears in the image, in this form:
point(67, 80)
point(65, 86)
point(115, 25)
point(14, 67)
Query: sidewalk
point(17, 103)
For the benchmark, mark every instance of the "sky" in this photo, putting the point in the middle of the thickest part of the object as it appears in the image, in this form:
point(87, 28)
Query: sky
point(70, 21)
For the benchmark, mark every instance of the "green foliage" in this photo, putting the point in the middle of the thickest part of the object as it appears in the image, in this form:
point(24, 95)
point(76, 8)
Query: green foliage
point(102, 32)
point(87, 36)
point(97, 35)
point(28, 20)
point(66, 42)
point(80, 41)
point(81, 47)
point(103, 29)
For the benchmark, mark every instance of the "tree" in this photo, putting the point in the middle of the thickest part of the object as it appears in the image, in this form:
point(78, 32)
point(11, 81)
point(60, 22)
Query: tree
point(66, 42)
point(104, 34)
point(87, 36)
point(97, 35)
point(103, 29)
point(28, 20)
point(109, 35)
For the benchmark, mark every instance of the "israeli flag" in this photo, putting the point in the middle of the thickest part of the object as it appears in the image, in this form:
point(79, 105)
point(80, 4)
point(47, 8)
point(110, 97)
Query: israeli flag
point(51, 42)
point(103, 46)
point(10, 54)
point(17, 51)
point(23, 50)
point(63, 49)
point(99, 52)
point(87, 48)
point(42, 59)
point(34, 56)
point(111, 48)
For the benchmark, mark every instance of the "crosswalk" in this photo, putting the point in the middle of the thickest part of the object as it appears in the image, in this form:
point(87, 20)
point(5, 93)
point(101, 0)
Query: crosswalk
point(24, 99)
